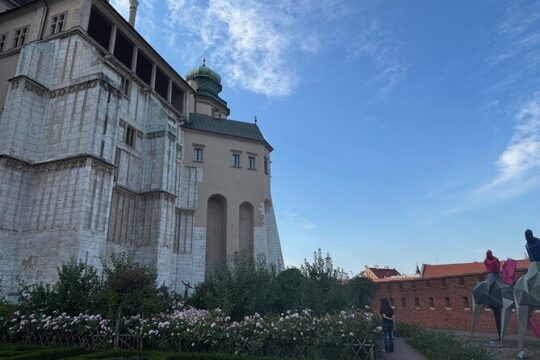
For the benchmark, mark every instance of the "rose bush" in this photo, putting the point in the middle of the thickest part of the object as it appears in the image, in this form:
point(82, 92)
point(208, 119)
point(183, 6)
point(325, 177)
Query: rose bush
point(191, 329)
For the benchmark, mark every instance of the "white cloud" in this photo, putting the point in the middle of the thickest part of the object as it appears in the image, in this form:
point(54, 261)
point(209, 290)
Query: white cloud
point(298, 221)
point(521, 158)
point(384, 51)
point(259, 45)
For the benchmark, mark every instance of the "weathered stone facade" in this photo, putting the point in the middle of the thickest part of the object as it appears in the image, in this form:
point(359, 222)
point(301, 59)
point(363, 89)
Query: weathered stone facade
point(95, 158)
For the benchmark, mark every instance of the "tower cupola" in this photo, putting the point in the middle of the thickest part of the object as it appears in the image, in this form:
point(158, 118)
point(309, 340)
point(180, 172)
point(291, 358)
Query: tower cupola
point(207, 85)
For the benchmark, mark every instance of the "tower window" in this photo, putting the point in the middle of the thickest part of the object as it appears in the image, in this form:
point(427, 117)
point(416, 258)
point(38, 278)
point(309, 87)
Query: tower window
point(198, 154)
point(20, 36)
point(266, 166)
point(130, 136)
point(3, 38)
point(57, 23)
point(252, 163)
point(235, 160)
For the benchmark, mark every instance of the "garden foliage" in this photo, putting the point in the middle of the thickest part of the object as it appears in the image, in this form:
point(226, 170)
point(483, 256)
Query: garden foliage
point(250, 286)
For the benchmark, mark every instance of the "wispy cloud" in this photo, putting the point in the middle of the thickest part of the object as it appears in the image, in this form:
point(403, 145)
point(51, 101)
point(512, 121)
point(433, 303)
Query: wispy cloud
point(259, 45)
point(518, 166)
point(298, 221)
point(383, 50)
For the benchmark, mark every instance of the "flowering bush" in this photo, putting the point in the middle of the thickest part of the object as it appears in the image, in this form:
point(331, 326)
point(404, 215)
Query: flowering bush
point(190, 329)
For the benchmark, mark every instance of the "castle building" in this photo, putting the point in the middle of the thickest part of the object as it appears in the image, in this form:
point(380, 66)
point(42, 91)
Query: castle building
point(105, 148)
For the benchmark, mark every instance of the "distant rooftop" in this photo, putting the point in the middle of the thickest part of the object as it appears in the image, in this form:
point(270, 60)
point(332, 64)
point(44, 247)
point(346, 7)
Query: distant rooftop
point(239, 129)
point(381, 273)
point(429, 271)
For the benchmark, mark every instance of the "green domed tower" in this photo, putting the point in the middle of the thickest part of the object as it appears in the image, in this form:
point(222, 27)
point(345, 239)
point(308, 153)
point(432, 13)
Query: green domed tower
point(207, 85)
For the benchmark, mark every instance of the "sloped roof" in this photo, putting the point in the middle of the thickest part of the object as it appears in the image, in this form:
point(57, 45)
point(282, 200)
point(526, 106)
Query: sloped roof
point(384, 273)
point(239, 129)
point(429, 271)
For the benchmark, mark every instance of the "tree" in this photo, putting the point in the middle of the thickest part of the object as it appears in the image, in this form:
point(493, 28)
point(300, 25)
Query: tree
point(78, 288)
point(129, 288)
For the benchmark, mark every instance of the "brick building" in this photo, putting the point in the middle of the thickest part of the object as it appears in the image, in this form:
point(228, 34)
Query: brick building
point(441, 297)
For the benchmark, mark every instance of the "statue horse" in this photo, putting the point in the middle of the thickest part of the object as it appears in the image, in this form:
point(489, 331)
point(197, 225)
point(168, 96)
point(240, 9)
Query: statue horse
point(496, 293)
point(527, 290)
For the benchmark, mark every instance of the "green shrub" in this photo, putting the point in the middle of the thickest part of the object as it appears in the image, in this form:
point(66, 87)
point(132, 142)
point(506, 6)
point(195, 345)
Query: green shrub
point(438, 345)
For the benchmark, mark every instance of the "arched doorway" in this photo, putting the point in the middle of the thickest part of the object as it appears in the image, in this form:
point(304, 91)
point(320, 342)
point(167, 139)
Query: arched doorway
point(216, 232)
point(246, 228)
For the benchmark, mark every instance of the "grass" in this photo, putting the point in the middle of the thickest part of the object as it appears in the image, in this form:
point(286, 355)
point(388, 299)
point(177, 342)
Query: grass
point(24, 352)
point(439, 345)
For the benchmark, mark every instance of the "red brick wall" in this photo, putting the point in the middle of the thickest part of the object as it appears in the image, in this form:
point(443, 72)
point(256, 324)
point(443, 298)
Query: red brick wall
point(453, 317)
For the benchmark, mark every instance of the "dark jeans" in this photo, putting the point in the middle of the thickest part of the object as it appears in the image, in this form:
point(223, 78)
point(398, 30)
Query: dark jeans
point(388, 333)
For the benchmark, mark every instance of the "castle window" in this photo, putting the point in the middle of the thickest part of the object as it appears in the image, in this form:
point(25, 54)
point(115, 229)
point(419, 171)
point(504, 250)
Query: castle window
point(130, 136)
point(3, 38)
point(162, 83)
point(428, 283)
point(198, 154)
point(465, 302)
point(99, 28)
point(444, 284)
point(417, 302)
point(177, 98)
point(57, 23)
point(461, 280)
point(123, 49)
point(235, 160)
point(20, 36)
point(266, 166)
point(403, 302)
point(124, 84)
point(447, 302)
point(431, 302)
point(413, 285)
point(252, 163)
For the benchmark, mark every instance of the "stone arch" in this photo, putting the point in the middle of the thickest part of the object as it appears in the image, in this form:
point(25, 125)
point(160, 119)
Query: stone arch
point(246, 228)
point(216, 232)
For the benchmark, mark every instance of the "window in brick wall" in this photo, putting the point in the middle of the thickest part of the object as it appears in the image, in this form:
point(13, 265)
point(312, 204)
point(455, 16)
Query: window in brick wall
point(431, 302)
point(130, 136)
point(392, 302)
point(428, 283)
point(3, 40)
point(401, 285)
point(465, 302)
point(444, 283)
point(403, 302)
point(461, 280)
point(447, 302)
point(20, 36)
point(57, 23)
point(417, 302)
point(413, 284)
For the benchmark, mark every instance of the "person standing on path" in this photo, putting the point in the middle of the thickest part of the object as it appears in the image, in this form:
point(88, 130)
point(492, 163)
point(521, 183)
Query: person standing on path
point(387, 315)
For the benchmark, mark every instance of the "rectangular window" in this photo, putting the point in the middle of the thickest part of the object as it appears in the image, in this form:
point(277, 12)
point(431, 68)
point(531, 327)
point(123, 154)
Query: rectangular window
point(465, 302)
point(130, 136)
point(235, 160)
point(447, 302)
point(3, 39)
point(461, 280)
point(413, 285)
point(198, 154)
point(252, 163)
point(20, 36)
point(431, 302)
point(266, 166)
point(57, 23)
point(417, 302)
point(428, 283)
point(403, 302)
point(444, 284)
point(124, 83)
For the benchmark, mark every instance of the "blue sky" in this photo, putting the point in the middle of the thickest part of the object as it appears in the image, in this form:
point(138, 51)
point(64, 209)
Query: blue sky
point(405, 132)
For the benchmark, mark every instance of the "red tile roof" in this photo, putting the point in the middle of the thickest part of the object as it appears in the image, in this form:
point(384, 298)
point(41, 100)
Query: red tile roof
point(383, 273)
point(429, 271)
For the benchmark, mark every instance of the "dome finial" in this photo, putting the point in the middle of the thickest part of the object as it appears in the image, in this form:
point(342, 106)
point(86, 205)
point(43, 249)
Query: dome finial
point(203, 62)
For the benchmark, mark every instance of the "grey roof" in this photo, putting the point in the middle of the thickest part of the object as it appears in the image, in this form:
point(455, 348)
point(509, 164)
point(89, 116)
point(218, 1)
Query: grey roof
point(227, 127)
